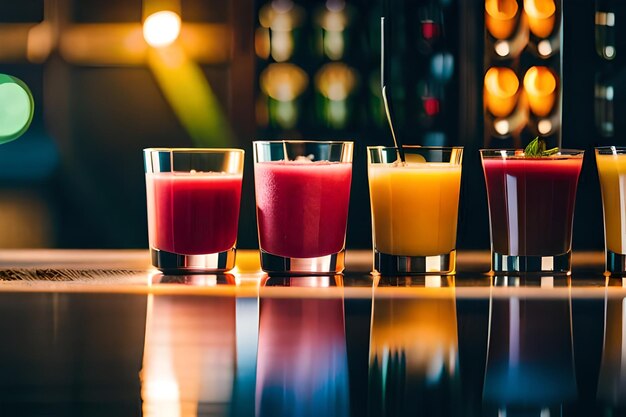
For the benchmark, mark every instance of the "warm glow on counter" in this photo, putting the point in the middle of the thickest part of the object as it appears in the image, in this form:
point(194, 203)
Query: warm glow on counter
point(500, 17)
point(540, 87)
point(541, 16)
point(500, 94)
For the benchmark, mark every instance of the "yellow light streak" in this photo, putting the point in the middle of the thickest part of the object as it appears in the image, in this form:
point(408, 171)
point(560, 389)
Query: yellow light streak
point(123, 43)
point(189, 94)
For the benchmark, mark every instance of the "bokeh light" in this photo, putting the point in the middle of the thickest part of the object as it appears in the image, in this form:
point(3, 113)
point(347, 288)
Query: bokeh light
point(501, 85)
point(161, 28)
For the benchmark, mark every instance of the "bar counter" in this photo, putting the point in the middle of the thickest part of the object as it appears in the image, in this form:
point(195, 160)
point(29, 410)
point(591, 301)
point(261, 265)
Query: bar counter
point(101, 333)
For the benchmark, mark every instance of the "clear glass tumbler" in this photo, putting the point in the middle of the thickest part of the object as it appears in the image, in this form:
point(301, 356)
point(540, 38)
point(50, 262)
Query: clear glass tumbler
point(415, 207)
point(531, 209)
point(193, 199)
point(302, 195)
point(611, 161)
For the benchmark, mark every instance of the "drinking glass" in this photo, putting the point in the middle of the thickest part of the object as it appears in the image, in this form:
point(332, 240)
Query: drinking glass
point(415, 208)
point(193, 198)
point(611, 161)
point(302, 194)
point(531, 209)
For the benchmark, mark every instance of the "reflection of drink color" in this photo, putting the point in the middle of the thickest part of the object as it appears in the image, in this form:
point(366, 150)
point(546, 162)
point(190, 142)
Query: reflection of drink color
point(612, 378)
point(415, 207)
point(413, 363)
point(530, 358)
point(612, 172)
point(531, 204)
point(189, 358)
point(302, 207)
point(302, 366)
point(193, 213)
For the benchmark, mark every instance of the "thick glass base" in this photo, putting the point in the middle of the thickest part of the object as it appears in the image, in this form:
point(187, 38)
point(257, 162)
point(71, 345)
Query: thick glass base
point(176, 264)
point(615, 264)
point(323, 265)
point(386, 264)
point(511, 264)
point(547, 280)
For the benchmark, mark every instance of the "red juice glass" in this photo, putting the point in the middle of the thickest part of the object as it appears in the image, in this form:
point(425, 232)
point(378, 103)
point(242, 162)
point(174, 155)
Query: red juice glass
point(193, 198)
point(302, 195)
point(531, 209)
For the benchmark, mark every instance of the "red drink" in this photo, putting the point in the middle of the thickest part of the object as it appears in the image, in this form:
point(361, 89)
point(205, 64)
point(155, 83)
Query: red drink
point(531, 203)
point(302, 367)
point(193, 213)
point(302, 207)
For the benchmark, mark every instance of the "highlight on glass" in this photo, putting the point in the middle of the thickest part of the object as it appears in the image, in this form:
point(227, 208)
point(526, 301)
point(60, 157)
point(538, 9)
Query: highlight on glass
point(531, 209)
point(414, 208)
point(193, 199)
point(302, 195)
point(611, 162)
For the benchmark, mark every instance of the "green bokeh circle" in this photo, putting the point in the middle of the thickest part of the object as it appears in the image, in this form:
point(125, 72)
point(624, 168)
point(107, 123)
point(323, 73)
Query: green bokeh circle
point(16, 108)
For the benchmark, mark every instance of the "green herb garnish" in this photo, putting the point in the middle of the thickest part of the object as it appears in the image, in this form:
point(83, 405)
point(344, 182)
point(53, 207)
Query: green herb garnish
point(537, 148)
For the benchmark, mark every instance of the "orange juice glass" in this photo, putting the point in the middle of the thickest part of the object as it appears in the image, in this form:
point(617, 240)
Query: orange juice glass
point(414, 208)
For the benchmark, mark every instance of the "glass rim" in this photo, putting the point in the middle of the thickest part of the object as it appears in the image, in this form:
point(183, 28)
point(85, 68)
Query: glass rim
point(320, 142)
point(194, 150)
point(511, 153)
point(428, 148)
point(610, 150)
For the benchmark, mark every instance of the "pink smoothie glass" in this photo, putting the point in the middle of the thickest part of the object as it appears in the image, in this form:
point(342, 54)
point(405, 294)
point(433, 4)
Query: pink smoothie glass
point(193, 198)
point(302, 195)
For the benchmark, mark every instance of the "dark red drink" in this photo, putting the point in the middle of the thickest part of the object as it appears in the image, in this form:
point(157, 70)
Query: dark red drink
point(531, 203)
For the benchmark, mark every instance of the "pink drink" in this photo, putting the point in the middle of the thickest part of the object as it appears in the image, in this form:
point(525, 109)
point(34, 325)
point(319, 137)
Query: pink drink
point(302, 366)
point(193, 213)
point(302, 207)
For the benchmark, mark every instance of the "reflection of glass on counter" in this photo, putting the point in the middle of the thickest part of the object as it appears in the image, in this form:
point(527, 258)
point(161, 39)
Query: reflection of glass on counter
point(612, 379)
point(302, 367)
point(414, 349)
point(530, 360)
point(189, 356)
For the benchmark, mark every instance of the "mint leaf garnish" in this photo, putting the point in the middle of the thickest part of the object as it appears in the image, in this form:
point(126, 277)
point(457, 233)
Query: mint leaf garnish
point(533, 148)
point(537, 148)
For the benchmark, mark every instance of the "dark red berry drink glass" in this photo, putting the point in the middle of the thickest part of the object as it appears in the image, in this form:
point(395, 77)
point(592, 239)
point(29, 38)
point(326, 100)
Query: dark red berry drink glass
point(531, 209)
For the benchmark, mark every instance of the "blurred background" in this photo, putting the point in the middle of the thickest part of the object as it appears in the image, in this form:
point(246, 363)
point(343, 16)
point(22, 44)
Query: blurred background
point(111, 78)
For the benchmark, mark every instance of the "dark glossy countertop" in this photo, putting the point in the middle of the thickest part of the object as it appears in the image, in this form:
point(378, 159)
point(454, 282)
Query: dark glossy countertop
point(99, 333)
